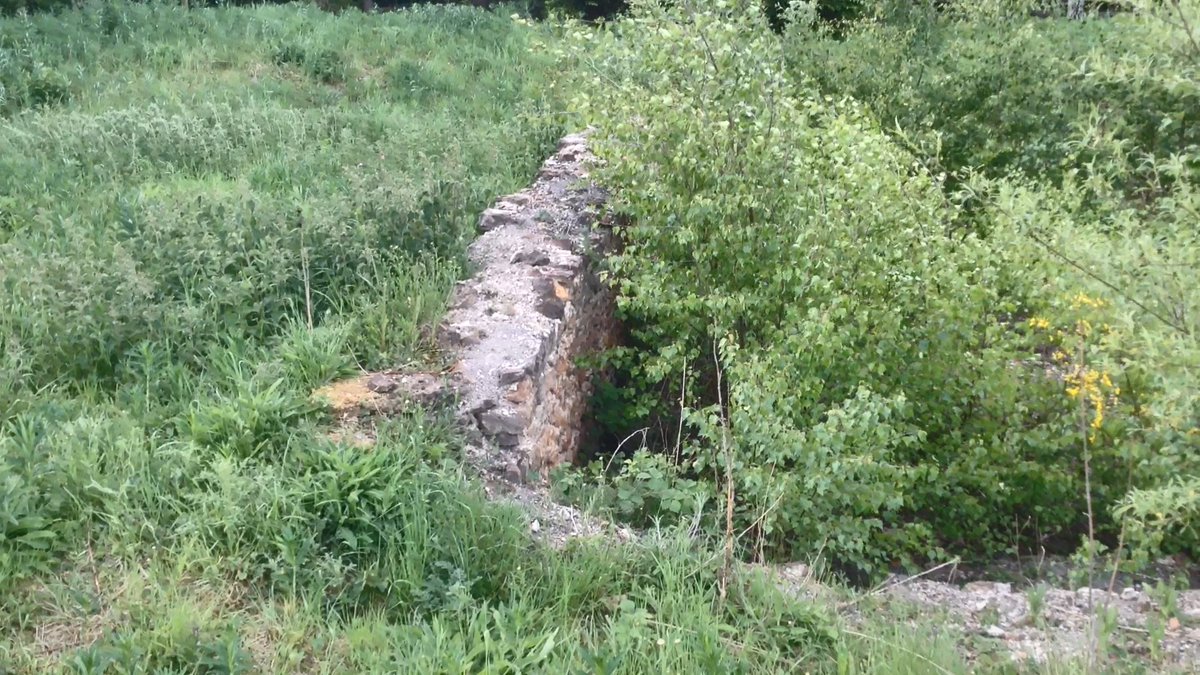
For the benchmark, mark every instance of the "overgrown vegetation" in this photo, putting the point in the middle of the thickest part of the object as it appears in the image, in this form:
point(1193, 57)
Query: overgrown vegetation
point(206, 214)
point(911, 287)
point(914, 288)
point(1081, 166)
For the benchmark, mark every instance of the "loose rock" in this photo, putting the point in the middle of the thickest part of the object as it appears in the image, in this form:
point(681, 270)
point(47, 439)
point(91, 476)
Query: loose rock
point(496, 218)
point(381, 384)
point(531, 257)
point(503, 425)
point(513, 375)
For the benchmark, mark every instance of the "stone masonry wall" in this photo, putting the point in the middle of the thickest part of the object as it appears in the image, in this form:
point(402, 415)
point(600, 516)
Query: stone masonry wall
point(520, 325)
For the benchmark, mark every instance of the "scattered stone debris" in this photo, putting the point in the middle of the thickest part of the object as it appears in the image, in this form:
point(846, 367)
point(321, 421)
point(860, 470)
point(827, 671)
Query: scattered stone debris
point(1058, 622)
point(557, 524)
point(1025, 624)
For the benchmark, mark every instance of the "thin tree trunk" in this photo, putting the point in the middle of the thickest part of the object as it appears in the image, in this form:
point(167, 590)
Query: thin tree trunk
point(1075, 10)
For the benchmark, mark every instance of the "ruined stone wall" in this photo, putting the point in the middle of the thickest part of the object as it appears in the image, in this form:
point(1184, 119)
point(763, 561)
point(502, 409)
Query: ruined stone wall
point(533, 309)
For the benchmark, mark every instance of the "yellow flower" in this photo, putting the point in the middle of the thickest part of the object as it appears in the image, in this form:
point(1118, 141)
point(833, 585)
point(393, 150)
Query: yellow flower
point(1094, 387)
point(1039, 323)
point(1084, 300)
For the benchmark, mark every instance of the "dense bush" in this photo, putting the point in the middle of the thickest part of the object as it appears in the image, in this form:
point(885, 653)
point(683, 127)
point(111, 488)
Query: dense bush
point(846, 355)
point(1093, 124)
point(967, 334)
point(999, 91)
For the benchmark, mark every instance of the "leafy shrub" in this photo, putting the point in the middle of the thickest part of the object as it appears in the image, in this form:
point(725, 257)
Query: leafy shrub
point(1011, 84)
point(644, 490)
point(1082, 135)
point(843, 348)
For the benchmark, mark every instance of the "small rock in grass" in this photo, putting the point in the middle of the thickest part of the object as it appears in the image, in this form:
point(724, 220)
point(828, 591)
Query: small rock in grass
point(995, 632)
point(381, 384)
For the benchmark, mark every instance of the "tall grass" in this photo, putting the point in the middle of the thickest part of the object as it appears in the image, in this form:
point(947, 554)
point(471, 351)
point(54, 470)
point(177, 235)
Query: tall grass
point(203, 216)
point(202, 169)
